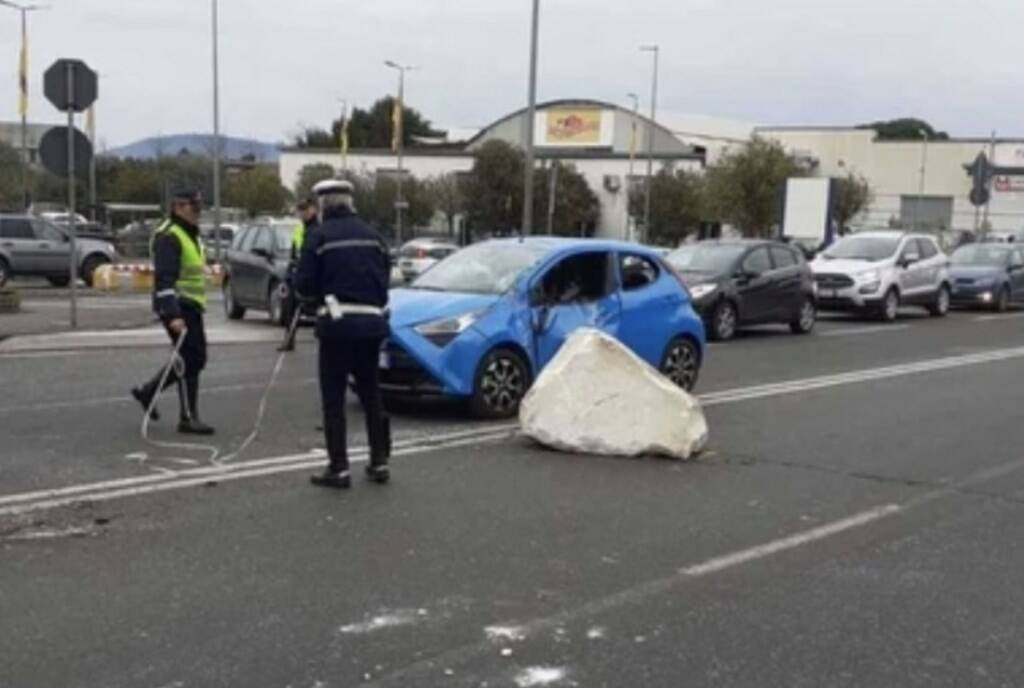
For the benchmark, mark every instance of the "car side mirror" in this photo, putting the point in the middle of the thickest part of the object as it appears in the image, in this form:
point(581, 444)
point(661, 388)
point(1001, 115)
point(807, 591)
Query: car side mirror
point(908, 260)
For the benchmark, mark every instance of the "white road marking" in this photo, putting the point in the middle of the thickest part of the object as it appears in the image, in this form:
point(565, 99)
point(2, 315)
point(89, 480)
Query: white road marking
point(852, 331)
point(792, 542)
point(188, 478)
point(1001, 316)
point(41, 354)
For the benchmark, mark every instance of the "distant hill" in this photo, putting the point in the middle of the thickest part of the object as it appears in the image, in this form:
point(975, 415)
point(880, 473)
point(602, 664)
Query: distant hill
point(197, 144)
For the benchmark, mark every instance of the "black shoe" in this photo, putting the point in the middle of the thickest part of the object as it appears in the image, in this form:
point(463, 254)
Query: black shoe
point(290, 346)
point(378, 474)
point(194, 426)
point(339, 480)
point(145, 400)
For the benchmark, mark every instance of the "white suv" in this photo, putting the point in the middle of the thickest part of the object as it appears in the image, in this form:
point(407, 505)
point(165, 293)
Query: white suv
point(877, 272)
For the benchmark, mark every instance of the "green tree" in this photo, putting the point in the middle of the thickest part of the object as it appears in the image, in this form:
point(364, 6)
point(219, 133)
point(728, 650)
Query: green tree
point(11, 169)
point(677, 206)
point(310, 175)
point(257, 190)
point(385, 193)
point(855, 195)
point(905, 129)
point(576, 208)
point(743, 186)
point(448, 195)
point(371, 128)
point(494, 189)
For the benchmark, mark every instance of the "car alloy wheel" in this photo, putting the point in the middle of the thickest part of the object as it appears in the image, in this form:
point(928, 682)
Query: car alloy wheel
point(807, 319)
point(681, 364)
point(5, 273)
point(724, 321)
point(941, 306)
point(502, 382)
point(229, 301)
point(891, 307)
point(278, 296)
point(1003, 300)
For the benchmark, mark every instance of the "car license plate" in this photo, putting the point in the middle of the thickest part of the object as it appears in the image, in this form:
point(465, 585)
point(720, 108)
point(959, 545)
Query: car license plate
point(384, 361)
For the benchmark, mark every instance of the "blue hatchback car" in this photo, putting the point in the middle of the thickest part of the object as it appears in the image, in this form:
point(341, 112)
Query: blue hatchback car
point(482, 323)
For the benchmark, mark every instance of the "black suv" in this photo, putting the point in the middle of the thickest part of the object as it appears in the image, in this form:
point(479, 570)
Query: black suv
point(747, 282)
point(256, 271)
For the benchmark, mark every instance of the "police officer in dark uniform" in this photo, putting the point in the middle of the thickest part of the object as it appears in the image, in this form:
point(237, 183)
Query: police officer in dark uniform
point(308, 220)
point(179, 298)
point(345, 266)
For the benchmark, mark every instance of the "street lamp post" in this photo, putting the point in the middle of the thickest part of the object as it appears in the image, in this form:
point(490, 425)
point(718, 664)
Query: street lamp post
point(23, 91)
point(632, 160)
point(216, 131)
point(531, 116)
point(920, 186)
point(342, 137)
point(399, 137)
point(656, 51)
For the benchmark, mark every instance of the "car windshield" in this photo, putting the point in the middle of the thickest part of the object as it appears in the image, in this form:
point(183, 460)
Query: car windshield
point(490, 268)
point(863, 248)
point(981, 254)
point(284, 239)
point(705, 258)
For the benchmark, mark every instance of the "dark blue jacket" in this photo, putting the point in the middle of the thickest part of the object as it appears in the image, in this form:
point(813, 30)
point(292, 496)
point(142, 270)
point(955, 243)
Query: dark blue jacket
point(349, 259)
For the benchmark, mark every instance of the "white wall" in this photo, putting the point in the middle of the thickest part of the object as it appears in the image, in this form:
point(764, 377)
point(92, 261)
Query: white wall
point(894, 170)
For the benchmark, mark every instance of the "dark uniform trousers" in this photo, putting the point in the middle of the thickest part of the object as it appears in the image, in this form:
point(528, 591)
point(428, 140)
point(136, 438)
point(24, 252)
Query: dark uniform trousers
point(193, 349)
point(342, 355)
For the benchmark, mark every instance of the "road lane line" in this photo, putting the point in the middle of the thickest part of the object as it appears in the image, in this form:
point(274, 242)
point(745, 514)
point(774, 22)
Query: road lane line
point(850, 332)
point(995, 318)
point(97, 490)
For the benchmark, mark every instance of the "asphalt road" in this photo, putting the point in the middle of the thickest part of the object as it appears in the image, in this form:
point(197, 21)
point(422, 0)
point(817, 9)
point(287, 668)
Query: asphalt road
point(854, 523)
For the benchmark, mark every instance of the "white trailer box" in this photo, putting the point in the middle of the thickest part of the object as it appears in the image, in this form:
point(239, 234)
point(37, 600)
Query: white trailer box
point(807, 211)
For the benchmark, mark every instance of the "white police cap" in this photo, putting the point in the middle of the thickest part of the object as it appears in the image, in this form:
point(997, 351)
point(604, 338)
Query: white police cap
point(330, 187)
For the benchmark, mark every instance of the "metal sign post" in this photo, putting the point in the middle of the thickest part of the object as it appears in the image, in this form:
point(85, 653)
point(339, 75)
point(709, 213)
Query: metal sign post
point(70, 68)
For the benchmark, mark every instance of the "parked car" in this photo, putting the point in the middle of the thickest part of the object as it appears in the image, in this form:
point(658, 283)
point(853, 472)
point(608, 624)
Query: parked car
point(988, 275)
point(255, 272)
point(227, 237)
point(416, 256)
point(32, 246)
point(481, 324)
point(877, 272)
point(734, 283)
point(63, 218)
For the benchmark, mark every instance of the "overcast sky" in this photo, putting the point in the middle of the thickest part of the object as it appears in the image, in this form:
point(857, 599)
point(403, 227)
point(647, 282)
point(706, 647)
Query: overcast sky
point(957, 63)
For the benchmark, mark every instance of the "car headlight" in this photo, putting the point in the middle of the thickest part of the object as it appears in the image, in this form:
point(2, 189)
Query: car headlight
point(700, 291)
point(443, 332)
point(869, 277)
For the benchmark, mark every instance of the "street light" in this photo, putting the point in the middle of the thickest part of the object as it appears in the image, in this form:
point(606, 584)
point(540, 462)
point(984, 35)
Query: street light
point(920, 188)
point(342, 136)
point(531, 116)
point(216, 130)
point(656, 51)
point(399, 136)
point(23, 90)
point(632, 159)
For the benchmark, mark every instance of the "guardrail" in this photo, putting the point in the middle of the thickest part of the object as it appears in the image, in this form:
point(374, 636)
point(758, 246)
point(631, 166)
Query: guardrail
point(129, 277)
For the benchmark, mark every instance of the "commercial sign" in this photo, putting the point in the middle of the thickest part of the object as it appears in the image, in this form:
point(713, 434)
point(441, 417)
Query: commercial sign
point(573, 127)
point(1008, 184)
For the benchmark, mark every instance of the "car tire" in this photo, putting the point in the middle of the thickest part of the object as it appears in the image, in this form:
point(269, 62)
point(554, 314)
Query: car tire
point(231, 308)
point(939, 308)
point(1002, 303)
point(681, 363)
point(5, 272)
point(723, 321)
point(277, 305)
point(890, 308)
point(806, 319)
point(59, 280)
point(89, 267)
point(502, 380)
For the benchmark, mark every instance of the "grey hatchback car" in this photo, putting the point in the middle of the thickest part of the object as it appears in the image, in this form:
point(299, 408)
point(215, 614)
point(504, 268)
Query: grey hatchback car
point(34, 247)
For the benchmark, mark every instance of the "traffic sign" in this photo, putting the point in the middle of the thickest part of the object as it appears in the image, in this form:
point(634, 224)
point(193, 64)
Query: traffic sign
point(980, 196)
point(70, 85)
point(53, 151)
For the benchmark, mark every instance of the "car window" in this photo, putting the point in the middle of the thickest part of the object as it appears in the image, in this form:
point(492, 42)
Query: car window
point(240, 239)
point(582, 278)
point(757, 262)
point(637, 272)
point(911, 250)
point(45, 230)
point(927, 248)
point(1017, 259)
point(16, 228)
point(783, 258)
point(263, 240)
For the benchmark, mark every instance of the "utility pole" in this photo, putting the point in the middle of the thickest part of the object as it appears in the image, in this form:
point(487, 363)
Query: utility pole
point(216, 133)
point(26, 191)
point(528, 130)
point(920, 189)
point(90, 127)
point(398, 141)
point(656, 50)
point(343, 135)
point(632, 160)
point(552, 195)
point(988, 203)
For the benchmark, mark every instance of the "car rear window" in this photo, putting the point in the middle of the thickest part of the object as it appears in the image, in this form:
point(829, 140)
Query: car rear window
point(16, 228)
point(638, 272)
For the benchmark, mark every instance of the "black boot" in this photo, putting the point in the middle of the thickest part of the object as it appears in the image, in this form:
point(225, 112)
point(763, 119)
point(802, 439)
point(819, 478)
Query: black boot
point(378, 473)
point(380, 452)
point(145, 394)
point(339, 480)
point(190, 424)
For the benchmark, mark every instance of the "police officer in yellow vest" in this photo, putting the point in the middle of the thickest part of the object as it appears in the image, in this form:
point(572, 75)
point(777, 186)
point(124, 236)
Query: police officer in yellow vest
point(179, 298)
